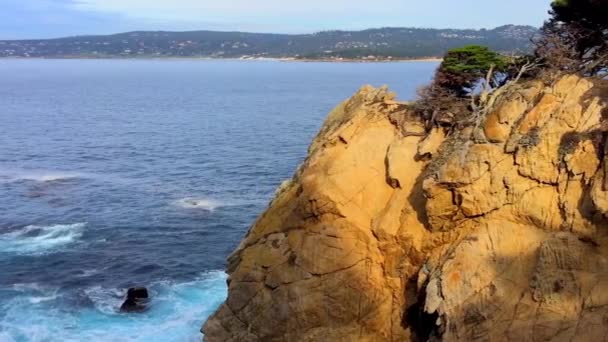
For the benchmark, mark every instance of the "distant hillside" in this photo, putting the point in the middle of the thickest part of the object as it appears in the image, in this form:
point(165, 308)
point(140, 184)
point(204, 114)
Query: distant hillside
point(381, 43)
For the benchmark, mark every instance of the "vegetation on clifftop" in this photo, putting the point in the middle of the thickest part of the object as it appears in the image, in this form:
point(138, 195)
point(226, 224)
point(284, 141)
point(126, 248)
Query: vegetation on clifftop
point(462, 68)
point(463, 74)
point(574, 41)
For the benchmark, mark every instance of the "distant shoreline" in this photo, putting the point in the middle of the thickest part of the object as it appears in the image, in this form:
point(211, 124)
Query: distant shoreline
point(387, 44)
point(363, 60)
point(277, 59)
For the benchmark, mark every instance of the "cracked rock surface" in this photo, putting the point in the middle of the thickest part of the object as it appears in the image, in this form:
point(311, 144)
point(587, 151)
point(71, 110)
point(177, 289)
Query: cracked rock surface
point(387, 233)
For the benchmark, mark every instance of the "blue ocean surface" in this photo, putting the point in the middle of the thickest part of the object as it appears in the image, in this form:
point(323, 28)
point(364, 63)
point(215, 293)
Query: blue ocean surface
point(115, 173)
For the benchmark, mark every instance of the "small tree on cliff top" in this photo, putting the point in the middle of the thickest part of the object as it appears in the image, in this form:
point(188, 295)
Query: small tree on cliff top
point(462, 69)
point(447, 100)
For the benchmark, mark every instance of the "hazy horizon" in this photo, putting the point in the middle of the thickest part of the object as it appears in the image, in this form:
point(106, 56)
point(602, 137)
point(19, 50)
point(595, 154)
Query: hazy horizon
point(267, 32)
point(42, 19)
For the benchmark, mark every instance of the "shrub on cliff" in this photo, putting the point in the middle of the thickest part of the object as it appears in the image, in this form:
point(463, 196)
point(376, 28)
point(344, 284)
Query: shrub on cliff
point(438, 106)
point(462, 69)
point(575, 39)
point(446, 100)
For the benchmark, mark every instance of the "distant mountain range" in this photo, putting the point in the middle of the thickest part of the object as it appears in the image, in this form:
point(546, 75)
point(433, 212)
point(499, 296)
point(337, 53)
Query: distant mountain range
point(383, 43)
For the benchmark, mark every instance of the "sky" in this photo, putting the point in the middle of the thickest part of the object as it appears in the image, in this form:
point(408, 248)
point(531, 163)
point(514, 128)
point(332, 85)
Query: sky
point(23, 19)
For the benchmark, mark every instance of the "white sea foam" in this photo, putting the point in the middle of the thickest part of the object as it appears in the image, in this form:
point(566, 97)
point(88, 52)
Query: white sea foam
point(199, 203)
point(53, 177)
point(88, 273)
point(106, 301)
point(28, 287)
point(42, 176)
point(40, 239)
point(37, 300)
point(34, 293)
point(176, 313)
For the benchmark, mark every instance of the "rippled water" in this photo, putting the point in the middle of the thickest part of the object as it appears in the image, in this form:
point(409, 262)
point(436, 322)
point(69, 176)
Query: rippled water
point(121, 173)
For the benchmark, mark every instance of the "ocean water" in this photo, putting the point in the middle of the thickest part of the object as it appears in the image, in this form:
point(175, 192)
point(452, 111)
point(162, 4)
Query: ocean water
point(116, 173)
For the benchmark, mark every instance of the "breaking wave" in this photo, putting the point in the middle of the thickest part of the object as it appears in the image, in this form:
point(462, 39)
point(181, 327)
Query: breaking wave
point(40, 176)
point(176, 313)
point(40, 239)
point(199, 203)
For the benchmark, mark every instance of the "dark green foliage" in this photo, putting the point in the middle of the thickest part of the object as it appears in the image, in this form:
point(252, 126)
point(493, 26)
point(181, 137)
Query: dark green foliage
point(463, 68)
point(589, 13)
point(448, 100)
point(473, 60)
point(575, 39)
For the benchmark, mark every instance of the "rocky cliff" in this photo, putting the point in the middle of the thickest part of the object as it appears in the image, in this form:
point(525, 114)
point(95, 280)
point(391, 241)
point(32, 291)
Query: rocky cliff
point(389, 233)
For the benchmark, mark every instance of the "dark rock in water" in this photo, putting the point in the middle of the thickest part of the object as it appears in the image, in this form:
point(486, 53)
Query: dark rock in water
point(136, 301)
point(138, 293)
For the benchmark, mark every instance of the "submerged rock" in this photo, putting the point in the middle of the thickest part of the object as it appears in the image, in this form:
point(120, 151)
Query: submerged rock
point(136, 301)
point(383, 235)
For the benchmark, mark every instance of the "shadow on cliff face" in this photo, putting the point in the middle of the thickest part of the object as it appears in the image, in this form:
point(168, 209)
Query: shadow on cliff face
point(598, 137)
point(553, 289)
point(417, 200)
point(313, 272)
point(422, 324)
point(550, 289)
point(568, 144)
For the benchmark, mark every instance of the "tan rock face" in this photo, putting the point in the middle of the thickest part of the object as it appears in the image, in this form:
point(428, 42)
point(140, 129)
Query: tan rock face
point(385, 234)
